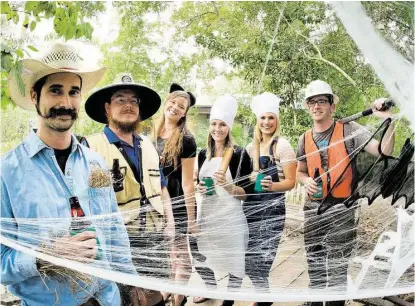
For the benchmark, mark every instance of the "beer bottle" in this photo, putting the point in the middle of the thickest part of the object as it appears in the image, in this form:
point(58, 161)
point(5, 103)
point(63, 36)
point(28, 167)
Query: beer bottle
point(263, 165)
point(319, 193)
point(79, 224)
point(117, 176)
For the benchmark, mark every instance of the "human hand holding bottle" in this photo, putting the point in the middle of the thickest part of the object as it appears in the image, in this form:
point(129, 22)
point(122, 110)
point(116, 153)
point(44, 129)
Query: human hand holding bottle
point(81, 247)
point(266, 183)
point(201, 187)
point(311, 186)
point(253, 176)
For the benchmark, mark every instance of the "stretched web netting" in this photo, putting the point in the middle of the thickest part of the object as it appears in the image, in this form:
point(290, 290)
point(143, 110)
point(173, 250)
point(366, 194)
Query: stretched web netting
point(361, 248)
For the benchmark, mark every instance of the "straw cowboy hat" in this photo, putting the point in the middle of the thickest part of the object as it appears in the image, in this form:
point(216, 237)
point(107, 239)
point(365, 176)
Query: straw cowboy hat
point(149, 99)
point(317, 88)
point(59, 58)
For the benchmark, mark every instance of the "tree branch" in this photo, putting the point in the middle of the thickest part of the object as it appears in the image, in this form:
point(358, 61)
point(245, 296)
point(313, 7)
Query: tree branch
point(198, 16)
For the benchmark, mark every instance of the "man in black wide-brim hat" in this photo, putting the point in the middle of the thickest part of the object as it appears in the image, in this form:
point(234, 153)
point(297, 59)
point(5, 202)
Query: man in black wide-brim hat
point(139, 185)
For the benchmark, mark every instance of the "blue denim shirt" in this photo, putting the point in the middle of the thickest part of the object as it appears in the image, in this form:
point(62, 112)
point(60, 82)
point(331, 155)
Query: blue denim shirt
point(132, 152)
point(33, 186)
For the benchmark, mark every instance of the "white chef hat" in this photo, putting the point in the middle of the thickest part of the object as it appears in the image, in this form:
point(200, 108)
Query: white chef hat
point(266, 103)
point(224, 109)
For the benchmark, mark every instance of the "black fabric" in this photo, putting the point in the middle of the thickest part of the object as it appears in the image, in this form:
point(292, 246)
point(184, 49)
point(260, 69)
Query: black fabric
point(265, 214)
point(208, 276)
point(161, 303)
point(62, 156)
point(151, 256)
point(91, 302)
point(329, 240)
point(246, 167)
point(125, 294)
point(265, 226)
point(174, 180)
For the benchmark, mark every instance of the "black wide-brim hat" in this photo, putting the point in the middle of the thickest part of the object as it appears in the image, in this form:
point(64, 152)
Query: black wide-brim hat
point(150, 101)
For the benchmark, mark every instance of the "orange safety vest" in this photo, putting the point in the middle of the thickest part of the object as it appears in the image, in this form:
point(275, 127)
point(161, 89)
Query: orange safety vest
point(338, 159)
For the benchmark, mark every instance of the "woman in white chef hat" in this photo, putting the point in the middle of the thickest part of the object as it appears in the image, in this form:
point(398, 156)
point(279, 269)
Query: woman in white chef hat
point(274, 163)
point(223, 227)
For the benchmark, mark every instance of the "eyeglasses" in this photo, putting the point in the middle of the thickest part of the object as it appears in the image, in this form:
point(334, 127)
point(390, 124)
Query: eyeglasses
point(320, 102)
point(124, 101)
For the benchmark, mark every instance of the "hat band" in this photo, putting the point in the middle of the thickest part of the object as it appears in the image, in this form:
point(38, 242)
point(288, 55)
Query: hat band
point(67, 68)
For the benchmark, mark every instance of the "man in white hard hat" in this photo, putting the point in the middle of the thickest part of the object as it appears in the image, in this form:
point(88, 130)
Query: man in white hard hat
point(323, 155)
point(46, 189)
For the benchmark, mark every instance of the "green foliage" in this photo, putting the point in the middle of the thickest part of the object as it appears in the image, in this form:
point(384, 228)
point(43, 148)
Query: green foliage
point(69, 20)
point(281, 46)
point(395, 20)
point(272, 46)
point(15, 126)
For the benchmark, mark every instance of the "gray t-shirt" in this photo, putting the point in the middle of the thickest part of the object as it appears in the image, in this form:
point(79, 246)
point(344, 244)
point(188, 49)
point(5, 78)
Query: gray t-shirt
point(355, 137)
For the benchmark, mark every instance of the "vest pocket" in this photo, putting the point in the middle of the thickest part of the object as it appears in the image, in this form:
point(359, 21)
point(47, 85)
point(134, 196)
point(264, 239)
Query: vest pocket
point(155, 182)
point(99, 200)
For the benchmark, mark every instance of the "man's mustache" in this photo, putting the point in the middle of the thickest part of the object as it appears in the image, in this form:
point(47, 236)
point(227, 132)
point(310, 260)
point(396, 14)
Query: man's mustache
point(61, 111)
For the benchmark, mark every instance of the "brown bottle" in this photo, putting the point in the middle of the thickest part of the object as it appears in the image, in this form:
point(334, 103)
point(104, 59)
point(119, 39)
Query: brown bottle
point(78, 224)
point(117, 176)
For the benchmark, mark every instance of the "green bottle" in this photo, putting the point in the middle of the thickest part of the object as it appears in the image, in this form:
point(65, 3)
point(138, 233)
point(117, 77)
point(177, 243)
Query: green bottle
point(319, 193)
point(263, 164)
point(209, 184)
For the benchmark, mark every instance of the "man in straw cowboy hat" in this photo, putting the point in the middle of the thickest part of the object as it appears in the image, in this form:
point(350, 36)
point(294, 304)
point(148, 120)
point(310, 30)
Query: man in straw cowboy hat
point(323, 156)
point(48, 176)
point(141, 187)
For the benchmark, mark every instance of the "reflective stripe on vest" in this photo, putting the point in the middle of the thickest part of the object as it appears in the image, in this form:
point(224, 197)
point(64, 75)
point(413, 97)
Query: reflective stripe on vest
point(338, 159)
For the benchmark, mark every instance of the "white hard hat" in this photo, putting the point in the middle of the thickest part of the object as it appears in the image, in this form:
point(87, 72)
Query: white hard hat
point(318, 87)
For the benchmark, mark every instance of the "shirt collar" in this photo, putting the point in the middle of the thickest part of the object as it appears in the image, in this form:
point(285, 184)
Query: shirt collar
point(35, 144)
point(112, 137)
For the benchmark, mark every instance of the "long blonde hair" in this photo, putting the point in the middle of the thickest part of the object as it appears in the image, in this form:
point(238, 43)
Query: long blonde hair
point(210, 151)
point(258, 134)
point(173, 145)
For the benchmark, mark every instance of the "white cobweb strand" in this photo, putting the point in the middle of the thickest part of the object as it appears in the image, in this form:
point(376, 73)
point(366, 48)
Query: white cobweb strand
point(395, 72)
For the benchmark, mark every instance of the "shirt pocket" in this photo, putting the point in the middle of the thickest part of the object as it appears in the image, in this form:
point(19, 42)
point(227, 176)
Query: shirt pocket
point(100, 200)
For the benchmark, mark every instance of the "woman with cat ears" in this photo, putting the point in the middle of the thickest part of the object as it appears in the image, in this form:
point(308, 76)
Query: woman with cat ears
point(177, 149)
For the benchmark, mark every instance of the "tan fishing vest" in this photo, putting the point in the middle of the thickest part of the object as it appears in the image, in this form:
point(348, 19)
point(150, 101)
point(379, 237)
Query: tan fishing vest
point(129, 198)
